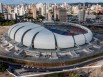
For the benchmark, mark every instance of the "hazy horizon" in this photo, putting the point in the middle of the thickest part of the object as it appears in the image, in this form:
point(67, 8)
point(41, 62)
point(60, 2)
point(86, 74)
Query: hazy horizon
point(47, 1)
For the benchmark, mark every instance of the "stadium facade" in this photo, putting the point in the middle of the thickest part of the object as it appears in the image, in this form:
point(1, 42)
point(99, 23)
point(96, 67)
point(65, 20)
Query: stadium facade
point(41, 37)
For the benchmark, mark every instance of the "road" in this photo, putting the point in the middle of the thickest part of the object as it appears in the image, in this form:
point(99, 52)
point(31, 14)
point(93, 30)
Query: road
point(52, 70)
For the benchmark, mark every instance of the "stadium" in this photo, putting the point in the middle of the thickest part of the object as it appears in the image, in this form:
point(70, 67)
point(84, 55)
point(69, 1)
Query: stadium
point(40, 37)
point(49, 42)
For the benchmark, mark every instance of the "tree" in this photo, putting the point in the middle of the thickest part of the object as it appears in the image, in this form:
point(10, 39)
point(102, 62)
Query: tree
point(72, 12)
point(2, 67)
point(40, 17)
point(101, 70)
point(73, 75)
point(1, 16)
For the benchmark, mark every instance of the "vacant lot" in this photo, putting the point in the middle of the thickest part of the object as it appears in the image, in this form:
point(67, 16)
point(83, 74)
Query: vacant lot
point(6, 74)
point(3, 29)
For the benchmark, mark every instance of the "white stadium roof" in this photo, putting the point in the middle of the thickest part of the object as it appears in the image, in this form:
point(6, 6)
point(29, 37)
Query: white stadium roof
point(37, 36)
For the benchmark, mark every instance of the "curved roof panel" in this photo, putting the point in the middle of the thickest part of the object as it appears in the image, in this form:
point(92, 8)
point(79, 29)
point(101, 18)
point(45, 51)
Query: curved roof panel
point(37, 36)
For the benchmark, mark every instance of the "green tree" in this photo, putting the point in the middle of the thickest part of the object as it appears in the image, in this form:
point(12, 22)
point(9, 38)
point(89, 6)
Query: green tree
point(73, 75)
point(1, 16)
point(40, 17)
point(72, 12)
point(2, 67)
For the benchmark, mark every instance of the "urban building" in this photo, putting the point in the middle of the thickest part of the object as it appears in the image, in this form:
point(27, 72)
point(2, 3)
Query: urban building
point(60, 14)
point(75, 10)
point(1, 8)
point(81, 16)
point(50, 15)
point(34, 11)
point(21, 10)
point(10, 16)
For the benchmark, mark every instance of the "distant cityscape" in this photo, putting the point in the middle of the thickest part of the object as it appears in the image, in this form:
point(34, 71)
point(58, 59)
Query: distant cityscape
point(76, 12)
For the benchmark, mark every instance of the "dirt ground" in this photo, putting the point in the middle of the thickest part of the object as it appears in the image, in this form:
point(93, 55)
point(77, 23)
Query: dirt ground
point(3, 29)
point(6, 74)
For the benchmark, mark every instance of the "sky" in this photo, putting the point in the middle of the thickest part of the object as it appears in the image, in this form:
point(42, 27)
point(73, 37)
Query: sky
point(46, 1)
